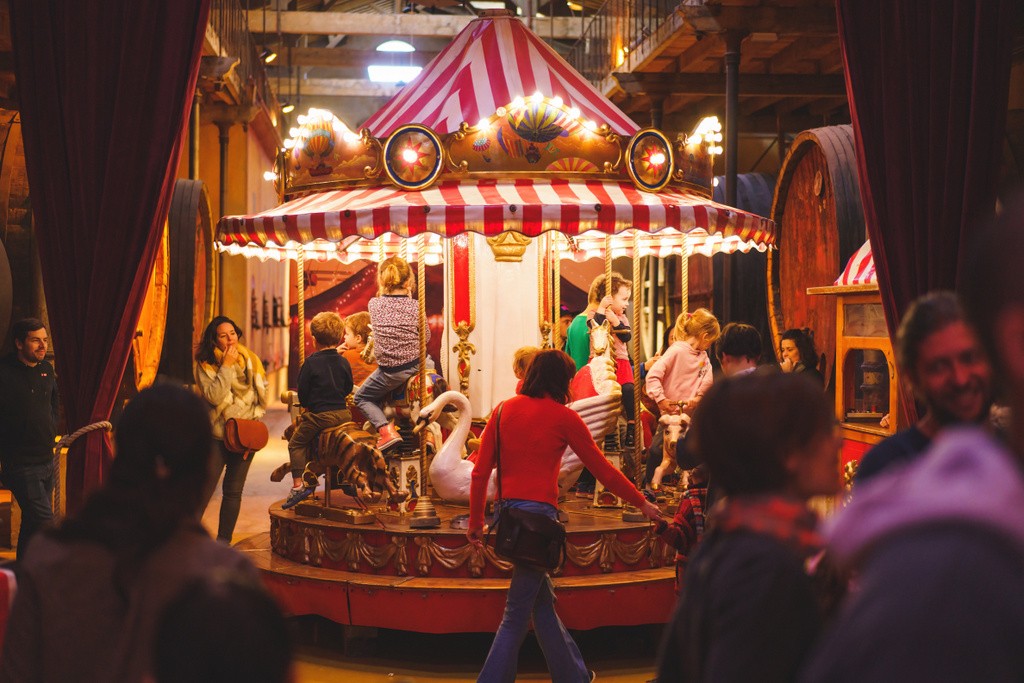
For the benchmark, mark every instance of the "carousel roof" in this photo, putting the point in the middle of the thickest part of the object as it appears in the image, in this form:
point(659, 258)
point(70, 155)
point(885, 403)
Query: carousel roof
point(560, 159)
point(860, 269)
point(490, 207)
point(491, 62)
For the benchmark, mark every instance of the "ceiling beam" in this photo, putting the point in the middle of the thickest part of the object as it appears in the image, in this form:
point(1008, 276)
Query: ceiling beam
point(751, 85)
point(717, 18)
point(706, 47)
point(346, 87)
point(436, 25)
point(344, 57)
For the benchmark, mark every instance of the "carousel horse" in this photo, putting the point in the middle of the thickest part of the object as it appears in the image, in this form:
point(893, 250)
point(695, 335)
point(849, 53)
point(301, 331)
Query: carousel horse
point(675, 427)
point(598, 400)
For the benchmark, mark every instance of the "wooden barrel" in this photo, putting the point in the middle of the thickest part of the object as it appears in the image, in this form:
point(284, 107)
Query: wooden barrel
point(149, 334)
point(820, 223)
point(192, 278)
point(739, 278)
point(18, 298)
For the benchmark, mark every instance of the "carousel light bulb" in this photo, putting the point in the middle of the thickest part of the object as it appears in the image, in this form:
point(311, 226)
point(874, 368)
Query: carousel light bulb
point(338, 125)
point(591, 126)
point(269, 175)
point(518, 102)
point(657, 159)
point(557, 101)
point(294, 132)
point(301, 119)
point(350, 137)
point(289, 143)
point(574, 112)
point(409, 156)
point(536, 97)
point(718, 137)
point(483, 124)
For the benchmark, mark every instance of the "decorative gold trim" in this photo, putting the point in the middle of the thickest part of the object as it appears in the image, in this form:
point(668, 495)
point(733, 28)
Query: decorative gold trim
point(508, 247)
point(603, 135)
point(464, 349)
point(543, 261)
point(310, 545)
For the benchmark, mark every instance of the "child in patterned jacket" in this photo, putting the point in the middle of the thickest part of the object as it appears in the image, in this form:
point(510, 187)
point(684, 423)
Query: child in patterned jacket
point(394, 319)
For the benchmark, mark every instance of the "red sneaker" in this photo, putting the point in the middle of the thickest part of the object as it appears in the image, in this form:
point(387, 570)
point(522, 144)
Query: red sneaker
point(388, 437)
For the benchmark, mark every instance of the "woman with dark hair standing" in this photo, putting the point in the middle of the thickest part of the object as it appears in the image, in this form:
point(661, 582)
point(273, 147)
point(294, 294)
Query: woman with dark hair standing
point(232, 380)
point(749, 611)
point(799, 354)
point(536, 427)
point(90, 594)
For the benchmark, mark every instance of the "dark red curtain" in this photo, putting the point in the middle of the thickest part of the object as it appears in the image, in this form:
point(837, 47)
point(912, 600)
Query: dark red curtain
point(105, 87)
point(927, 82)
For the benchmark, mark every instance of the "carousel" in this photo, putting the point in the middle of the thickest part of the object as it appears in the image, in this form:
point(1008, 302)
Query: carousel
point(497, 163)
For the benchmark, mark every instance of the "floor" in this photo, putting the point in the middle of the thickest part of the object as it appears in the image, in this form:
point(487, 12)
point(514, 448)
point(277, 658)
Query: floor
point(331, 653)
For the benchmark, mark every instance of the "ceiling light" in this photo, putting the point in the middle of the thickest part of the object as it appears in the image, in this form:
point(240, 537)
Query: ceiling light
point(267, 55)
point(383, 73)
point(395, 46)
point(287, 107)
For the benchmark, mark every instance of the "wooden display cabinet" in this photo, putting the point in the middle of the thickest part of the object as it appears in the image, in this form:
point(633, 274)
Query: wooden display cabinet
point(867, 383)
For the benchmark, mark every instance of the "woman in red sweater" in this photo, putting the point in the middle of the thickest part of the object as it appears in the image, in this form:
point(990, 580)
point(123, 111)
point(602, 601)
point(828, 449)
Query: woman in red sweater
point(536, 428)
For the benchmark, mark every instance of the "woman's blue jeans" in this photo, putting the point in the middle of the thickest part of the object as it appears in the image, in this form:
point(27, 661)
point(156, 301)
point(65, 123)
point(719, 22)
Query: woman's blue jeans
point(531, 595)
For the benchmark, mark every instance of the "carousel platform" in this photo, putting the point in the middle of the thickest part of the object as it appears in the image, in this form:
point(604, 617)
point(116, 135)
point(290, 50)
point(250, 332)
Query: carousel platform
point(389, 575)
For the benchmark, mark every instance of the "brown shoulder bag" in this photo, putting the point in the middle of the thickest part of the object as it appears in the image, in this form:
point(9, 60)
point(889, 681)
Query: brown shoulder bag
point(245, 436)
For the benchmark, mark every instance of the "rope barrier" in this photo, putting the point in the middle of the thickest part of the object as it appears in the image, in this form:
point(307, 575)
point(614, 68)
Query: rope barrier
point(65, 443)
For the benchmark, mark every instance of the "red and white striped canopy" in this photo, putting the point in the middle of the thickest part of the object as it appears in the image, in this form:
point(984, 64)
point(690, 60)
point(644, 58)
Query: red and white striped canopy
point(860, 269)
point(490, 207)
point(490, 63)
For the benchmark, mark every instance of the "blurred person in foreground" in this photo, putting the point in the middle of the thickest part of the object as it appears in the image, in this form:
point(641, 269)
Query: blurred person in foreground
point(92, 590)
point(941, 358)
point(222, 628)
point(749, 608)
point(939, 544)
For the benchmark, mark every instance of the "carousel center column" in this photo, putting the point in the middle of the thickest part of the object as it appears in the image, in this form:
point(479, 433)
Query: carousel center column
point(495, 280)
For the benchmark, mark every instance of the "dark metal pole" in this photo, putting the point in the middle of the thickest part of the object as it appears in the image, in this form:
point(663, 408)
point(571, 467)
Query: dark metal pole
point(224, 128)
point(732, 111)
point(657, 112)
point(732, 140)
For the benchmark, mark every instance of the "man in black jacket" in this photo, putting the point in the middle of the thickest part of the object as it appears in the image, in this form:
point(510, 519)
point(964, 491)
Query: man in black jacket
point(28, 426)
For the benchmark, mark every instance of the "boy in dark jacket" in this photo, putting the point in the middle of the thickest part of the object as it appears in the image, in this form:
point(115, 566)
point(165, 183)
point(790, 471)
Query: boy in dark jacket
point(325, 381)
